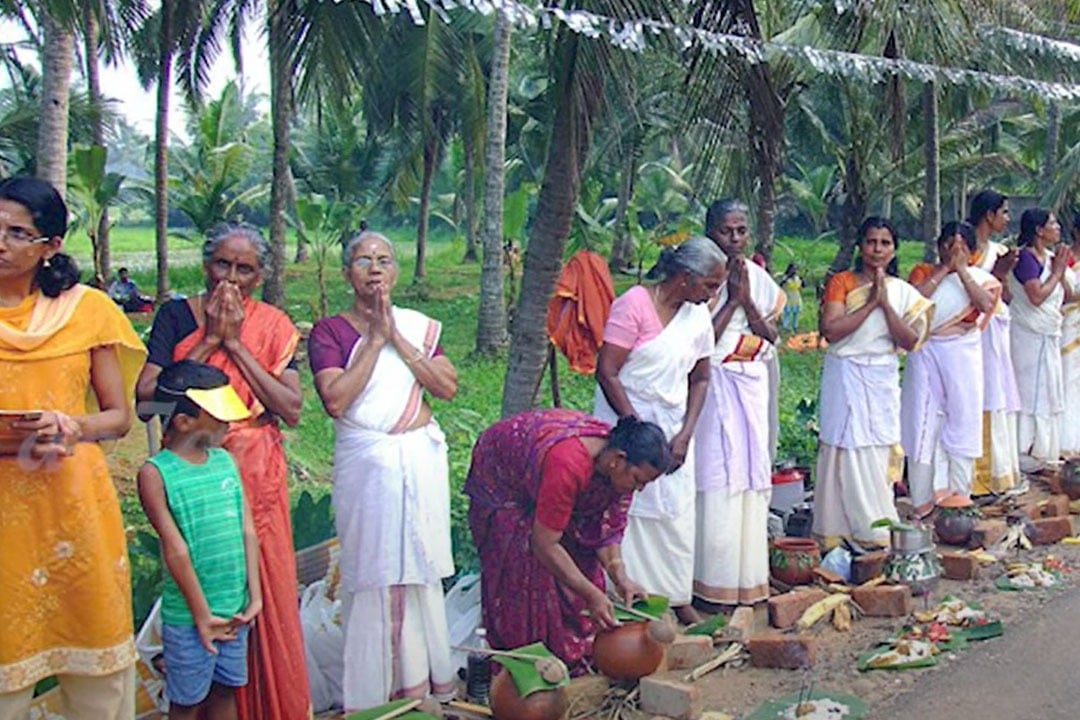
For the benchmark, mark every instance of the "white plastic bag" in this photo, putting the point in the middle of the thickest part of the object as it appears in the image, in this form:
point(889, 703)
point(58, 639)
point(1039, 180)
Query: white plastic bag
point(324, 646)
point(148, 646)
point(838, 560)
point(463, 616)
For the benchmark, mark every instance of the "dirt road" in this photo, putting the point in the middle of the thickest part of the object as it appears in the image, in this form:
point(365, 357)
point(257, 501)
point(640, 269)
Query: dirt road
point(1028, 673)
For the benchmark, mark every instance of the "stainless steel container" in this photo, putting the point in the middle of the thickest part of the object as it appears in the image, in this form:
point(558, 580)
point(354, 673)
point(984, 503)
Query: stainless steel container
point(911, 538)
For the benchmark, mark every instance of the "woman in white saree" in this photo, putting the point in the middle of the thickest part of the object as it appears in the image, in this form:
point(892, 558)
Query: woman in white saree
point(868, 317)
point(391, 494)
point(654, 364)
point(998, 469)
point(941, 398)
point(1070, 353)
point(734, 449)
point(1038, 290)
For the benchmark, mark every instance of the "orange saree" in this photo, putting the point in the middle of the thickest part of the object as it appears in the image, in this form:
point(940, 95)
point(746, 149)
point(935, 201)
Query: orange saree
point(277, 686)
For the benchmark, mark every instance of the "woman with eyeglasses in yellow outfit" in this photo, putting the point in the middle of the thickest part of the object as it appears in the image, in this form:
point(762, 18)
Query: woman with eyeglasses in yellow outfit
point(68, 361)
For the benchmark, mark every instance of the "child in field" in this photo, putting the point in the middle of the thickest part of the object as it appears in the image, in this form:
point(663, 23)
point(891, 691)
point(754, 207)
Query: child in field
point(792, 285)
point(191, 493)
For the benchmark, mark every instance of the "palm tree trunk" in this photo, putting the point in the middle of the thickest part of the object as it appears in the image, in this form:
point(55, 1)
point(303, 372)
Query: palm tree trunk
point(853, 211)
point(161, 151)
point(568, 145)
point(766, 149)
point(280, 114)
point(57, 61)
point(1053, 144)
point(931, 213)
point(491, 331)
point(623, 246)
point(303, 251)
point(431, 152)
point(93, 86)
point(469, 196)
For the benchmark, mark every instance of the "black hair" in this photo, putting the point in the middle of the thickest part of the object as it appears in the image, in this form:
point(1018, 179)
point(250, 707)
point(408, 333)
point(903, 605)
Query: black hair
point(1076, 221)
point(984, 203)
point(642, 441)
point(720, 210)
point(176, 379)
point(50, 216)
point(1030, 222)
point(876, 222)
point(122, 270)
point(961, 228)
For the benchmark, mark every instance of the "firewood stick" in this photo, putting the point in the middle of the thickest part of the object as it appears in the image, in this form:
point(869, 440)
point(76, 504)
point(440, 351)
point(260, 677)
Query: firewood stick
point(723, 658)
point(470, 708)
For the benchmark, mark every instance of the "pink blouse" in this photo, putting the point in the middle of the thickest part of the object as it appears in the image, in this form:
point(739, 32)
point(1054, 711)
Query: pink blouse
point(633, 320)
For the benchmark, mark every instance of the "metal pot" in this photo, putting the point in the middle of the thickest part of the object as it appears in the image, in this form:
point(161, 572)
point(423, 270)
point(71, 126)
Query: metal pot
point(911, 538)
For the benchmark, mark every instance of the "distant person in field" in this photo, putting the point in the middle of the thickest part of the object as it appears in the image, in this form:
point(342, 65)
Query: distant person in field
point(125, 293)
point(654, 365)
point(792, 285)
point(192, 495)
point(254, 343)
point(998, 470)
point(68, 361)
point(734, 436)
point(868, 316)
point(941, 397)
point(373, 364)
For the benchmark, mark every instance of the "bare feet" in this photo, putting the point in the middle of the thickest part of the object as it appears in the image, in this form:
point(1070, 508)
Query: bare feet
point(687, 615)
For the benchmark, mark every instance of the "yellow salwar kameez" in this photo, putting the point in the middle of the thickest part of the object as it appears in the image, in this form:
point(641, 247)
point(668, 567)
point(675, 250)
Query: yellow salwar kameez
point(65, 588)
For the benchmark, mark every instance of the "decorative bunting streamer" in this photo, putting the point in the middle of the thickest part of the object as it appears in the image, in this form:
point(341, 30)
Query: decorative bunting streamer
point(632, 35)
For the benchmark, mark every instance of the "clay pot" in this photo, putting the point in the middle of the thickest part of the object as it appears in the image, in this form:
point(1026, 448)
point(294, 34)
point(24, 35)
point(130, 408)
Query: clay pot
point(1070, 478)
point(627, 652)
point(506, 704)
point(792, 560)
point(954, 528)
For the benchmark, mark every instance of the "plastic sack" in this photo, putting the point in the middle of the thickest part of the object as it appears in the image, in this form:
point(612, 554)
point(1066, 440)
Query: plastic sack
point(324, 646)
point(149, 648)
point(463, 617)
point(838, 560)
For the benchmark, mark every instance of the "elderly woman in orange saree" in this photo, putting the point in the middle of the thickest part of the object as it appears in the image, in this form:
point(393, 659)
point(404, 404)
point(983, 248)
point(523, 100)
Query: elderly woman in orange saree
point(254, 344)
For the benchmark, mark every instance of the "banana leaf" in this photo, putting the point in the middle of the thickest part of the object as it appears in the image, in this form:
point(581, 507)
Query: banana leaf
point(866, 657)
point(654, 606)
point(376, 712)
point(526, 678)
point(1005, 583)
point(986, 631)
point(775, 709)
point(707, 627)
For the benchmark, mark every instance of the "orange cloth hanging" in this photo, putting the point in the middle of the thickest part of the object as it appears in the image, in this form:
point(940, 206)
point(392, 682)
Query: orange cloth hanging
point(579, 309)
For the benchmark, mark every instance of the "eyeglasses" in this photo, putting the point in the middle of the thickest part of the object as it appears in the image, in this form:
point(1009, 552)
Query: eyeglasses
point(17, 236)
point(366, 262)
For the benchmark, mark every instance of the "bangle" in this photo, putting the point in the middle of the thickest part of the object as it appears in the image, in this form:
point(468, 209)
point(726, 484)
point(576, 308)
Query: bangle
point(415, 358)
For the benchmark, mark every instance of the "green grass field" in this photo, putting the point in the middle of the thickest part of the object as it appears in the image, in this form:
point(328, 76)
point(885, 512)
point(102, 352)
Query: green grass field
point(450, 295)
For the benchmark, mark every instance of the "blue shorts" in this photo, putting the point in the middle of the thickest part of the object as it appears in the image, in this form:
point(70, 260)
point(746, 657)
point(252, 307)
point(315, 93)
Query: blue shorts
point(189, 668)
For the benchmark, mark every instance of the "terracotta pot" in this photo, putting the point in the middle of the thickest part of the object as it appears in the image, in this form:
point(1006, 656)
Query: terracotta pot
point(954, 528)
point(1070, 478)
point(506, 704)
point(627, 652)
point(792, 560)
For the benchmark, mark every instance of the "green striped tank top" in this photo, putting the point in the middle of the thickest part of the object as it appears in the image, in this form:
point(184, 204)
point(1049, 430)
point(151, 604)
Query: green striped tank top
point(206, 502)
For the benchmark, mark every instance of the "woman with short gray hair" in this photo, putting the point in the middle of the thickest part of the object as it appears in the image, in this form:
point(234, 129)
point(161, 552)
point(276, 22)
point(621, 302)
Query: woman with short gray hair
point(654, 364)
point(253, 343)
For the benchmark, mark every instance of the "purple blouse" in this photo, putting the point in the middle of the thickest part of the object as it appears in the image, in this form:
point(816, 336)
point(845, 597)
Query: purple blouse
point(331, 343)
point(1027, 267)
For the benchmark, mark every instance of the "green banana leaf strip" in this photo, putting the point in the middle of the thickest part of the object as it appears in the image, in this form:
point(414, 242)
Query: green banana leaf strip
point(526, 678)
point(375, 712)
point(866, 657)
point(774, 709)
point(707, 627)
point(654, 606)
point(1005, 583)
point(991, 629)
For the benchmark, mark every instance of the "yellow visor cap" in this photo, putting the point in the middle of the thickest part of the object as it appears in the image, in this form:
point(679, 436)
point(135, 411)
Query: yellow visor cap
point(221, 402)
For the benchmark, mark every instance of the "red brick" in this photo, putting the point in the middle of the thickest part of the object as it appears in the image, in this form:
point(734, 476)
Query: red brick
point(959, 566)
point(788, 652)
point(1032, 510)
point(868, 566)
point(670, 698)
point(828, 575)
point(1051, 530)
point(883, 600)
point(1055, 506)
point(988, 533)
point(688, 651)
point(785, 610)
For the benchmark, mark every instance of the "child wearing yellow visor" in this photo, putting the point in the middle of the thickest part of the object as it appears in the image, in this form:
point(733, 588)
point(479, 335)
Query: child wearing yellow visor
point(192, 495)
